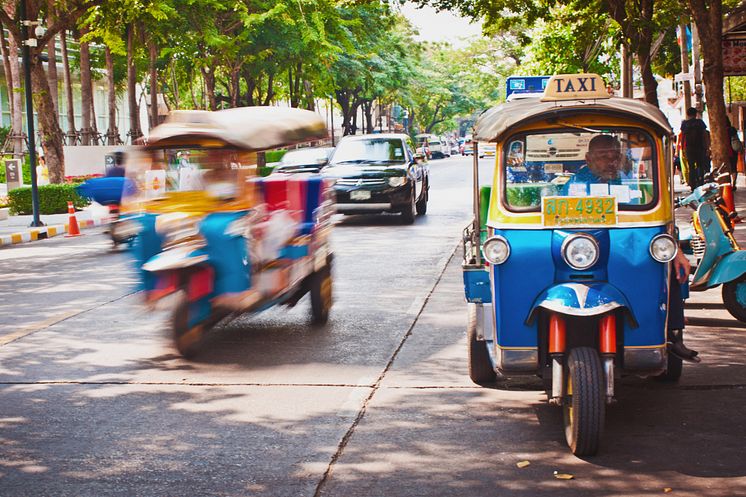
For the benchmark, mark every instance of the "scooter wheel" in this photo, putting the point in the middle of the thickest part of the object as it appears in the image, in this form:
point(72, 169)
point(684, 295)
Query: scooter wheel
point(734, 298)
point(584, 405)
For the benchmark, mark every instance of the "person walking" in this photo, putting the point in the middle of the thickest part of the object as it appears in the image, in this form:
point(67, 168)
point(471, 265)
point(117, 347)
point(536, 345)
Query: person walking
point(696, 147)
point(734, 150)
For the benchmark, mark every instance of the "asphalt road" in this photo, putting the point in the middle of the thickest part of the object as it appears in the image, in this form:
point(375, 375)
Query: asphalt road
point(94, 401)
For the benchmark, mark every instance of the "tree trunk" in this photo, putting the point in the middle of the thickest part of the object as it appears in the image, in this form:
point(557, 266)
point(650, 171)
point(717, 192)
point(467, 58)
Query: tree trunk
point(6, 69)
point(51, 134)
point(153, 84)
point(112, 132)
point(135, 132)
point(708, 16)
point(71, 134)
point(85, 93)
point(270, 89)
point(94, 120)
point(368, 112)
point(52, 73)
point(175, 91)
point(17, 96)
point(235, 85)
point(209, 77)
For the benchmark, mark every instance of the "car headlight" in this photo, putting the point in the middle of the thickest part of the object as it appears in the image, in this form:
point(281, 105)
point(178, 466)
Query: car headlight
point(397, 180)
point(663, 248)
point(580, 251)
point(496, 250)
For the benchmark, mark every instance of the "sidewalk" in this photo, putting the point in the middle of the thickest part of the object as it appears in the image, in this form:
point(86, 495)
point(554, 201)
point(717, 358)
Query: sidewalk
point(16, 229)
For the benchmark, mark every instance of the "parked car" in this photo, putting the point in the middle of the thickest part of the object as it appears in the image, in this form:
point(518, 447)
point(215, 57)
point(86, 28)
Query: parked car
point(379, 173)
point(434, 143)
point(305, 160)
point(455, 148)
point(467, 148)
point(486, 149)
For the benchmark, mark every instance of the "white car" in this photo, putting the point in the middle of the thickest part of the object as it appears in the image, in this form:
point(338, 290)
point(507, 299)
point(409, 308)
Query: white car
point(487, 149)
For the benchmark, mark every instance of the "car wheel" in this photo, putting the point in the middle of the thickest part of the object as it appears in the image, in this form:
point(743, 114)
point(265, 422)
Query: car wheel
point(321, 295)
point(421, 205)
point(410, 211)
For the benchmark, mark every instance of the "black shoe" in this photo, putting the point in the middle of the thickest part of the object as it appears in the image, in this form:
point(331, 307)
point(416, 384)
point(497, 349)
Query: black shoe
point(684, 353)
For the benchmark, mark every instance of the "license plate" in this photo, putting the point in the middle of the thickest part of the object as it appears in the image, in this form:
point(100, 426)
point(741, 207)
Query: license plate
point(359, 195)
point(579, 211)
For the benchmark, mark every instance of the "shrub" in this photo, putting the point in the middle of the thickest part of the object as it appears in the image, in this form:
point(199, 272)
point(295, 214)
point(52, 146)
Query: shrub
point(52, 199)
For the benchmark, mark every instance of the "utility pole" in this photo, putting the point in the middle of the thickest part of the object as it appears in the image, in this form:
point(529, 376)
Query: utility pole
point(685, 67)
point(26, 54)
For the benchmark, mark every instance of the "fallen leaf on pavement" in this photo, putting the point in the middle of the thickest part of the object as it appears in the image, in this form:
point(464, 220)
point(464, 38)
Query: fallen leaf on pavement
point(522, 464)
point(563, 476)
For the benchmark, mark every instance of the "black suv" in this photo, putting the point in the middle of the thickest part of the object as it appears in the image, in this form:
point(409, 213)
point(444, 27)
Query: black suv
point(379, 173)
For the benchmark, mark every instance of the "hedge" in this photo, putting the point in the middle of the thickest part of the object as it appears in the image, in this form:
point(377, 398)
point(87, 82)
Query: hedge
point(52, 199)
point(273, 155)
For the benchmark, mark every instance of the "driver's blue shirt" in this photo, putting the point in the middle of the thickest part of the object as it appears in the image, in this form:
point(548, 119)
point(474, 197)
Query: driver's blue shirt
point(586, 177)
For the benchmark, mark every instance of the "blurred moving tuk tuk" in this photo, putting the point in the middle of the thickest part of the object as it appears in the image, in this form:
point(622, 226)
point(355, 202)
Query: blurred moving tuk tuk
point(213, 235)
point(566, 272)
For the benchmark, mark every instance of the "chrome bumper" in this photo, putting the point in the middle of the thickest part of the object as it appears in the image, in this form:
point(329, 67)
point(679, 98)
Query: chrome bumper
point(363, 207)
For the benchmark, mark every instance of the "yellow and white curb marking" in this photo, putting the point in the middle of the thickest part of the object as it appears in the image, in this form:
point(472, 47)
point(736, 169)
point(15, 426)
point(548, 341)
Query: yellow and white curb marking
point(45, 232)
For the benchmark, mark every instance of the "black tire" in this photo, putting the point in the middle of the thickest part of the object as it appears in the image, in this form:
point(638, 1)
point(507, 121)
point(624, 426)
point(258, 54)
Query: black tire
point(187, 341)
point(321, 295)
point(584, 405)
point(735, 303)
point(673, 370)
point(410, 211)
point(480, 366)
point(421, 205)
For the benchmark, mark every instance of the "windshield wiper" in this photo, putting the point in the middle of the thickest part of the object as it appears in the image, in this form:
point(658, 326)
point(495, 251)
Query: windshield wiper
point(352, 161)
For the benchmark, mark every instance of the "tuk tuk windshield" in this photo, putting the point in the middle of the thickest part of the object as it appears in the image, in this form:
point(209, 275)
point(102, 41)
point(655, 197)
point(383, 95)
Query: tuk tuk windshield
point(578, 163)
point(216, 171)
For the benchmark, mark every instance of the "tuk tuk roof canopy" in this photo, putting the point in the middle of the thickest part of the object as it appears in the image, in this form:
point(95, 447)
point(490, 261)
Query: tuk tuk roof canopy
point(248, 128)
point(493, 124)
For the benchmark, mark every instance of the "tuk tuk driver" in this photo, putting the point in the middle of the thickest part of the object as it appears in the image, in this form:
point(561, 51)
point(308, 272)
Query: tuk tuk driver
point(605, 164)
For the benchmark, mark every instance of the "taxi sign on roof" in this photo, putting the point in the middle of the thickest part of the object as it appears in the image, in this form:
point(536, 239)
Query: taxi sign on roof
point(585, 86)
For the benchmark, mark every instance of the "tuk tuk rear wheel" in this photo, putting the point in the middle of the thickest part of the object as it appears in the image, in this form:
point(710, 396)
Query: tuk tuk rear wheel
point(481, 370)
point(584, 406)
point(321, 295)
point(673, 370)
point(734, 298)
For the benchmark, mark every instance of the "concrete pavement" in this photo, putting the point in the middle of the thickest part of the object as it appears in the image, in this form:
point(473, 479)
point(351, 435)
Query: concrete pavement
point(17, 229)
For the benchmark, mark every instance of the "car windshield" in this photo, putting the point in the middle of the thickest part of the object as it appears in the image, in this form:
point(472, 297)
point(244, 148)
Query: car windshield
point(307, 156)
point(369, 150)
point(609, 163)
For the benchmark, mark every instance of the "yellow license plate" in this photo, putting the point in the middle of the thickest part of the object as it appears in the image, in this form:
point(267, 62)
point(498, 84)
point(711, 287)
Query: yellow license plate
point(579, 211)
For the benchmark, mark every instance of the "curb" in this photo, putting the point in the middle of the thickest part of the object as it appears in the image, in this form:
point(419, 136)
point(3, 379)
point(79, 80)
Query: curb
point(44, 232)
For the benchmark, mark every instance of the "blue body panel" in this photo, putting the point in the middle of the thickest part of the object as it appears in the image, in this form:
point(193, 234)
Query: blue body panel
point(147, 244)
point(226, 253)
point(729, 268)
point(477, 286)
point(625, 276)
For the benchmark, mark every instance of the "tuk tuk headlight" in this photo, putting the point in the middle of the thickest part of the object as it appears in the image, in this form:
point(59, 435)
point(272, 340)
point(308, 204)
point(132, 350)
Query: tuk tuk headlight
point(397, 181)
point(663, 248)
point(580, 251)
point(496, 250)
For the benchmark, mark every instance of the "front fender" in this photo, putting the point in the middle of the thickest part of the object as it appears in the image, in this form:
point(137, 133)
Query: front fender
point(581, 299)
point(731, 267)
point(176, 258)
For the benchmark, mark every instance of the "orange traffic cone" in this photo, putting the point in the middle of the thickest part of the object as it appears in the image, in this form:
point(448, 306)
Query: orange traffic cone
point(72, 226)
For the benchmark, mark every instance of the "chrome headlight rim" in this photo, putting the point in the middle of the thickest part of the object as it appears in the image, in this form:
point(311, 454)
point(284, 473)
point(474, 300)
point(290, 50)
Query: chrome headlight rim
point(496, 239)
point(670, 239)
point(570, 240)
point(397, 181)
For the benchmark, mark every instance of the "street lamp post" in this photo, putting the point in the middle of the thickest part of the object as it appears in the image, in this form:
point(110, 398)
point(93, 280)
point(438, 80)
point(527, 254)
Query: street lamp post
point(29, 42)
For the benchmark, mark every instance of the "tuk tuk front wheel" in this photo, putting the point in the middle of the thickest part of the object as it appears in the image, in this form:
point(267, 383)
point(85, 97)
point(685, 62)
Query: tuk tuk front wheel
point(734, 298)
point(481, 370)
point(584, 406)
point(186, 340)
point(673, 370)
point(321, 295)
